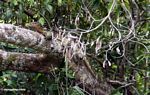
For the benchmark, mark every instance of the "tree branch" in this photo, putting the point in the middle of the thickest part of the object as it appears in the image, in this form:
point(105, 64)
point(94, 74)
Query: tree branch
point(24, 37)
point(54, 50)
point(28, 62)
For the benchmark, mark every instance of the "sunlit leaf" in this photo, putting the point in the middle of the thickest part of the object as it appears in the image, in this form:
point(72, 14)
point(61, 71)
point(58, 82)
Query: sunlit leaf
point(59, 2)
point(41, 21)
point(15, 2)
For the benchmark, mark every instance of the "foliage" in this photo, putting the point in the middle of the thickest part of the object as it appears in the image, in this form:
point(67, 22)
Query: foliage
point(116, 34)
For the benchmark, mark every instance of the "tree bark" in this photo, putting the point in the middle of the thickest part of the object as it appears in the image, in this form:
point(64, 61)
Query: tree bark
point(50, 54)
point(28, 62)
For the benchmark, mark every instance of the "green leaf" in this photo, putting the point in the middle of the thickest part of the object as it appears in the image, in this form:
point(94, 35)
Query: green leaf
point(15, 2)
point(8, 13)
point(46, 1)
point(53, 87)
point(37, 76)
point(79, 90)
point(41, 21)
point(59, 2)
point(31, 2)
point(49, 8)
point(9, 82)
